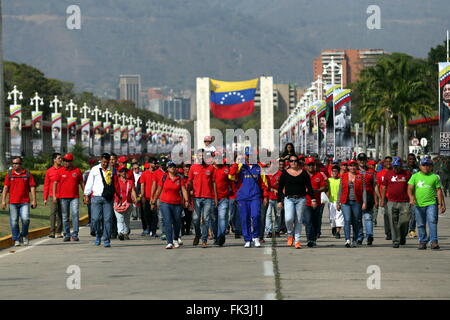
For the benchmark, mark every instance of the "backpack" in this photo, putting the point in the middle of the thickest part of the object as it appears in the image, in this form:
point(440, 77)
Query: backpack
point(27, 174)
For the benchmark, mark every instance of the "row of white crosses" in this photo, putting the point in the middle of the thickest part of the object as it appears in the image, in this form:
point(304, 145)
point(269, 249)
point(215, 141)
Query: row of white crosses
point(313, 93)
point(36, 101)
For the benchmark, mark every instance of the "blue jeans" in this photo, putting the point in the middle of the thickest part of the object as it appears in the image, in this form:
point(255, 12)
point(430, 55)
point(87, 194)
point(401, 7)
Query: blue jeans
point(293, 212)
point(220, 220)
point(101, 217)
point(172, 220)
point(424, 215)
point(273, 207)
point(235, 219)
point(311, 219)
point(352, 214)
point(201, 216)
point(16, 210)
point(67, 205)
point(367, 217)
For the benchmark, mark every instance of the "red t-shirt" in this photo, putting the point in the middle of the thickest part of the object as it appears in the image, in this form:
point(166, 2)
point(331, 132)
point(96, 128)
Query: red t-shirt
point(19, 186)
point(223, 184)
point(121, 190)
point(397, 185)
point(171, 189)
point(147, 180)
point(369, 178)
point(202, 180)
point(318, 181)
point(380, 176)
point(50, 176)
point(273, 181)
point(68, 181)
point(157, 175)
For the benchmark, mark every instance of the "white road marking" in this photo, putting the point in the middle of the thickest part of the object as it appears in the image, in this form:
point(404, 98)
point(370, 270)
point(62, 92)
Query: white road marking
point(270, 296)
point(268, 269)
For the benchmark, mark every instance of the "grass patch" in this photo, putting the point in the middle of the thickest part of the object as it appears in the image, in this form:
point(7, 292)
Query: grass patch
point(39, 217)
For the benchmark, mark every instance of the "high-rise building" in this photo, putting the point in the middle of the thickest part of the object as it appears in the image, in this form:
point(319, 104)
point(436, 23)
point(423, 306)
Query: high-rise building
point(284, 98)
point(352, 61)
point(130, 88)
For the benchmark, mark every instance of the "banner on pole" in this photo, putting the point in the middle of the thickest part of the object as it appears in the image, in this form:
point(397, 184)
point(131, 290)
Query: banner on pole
point(131, 139)
point(15, 122)
point(321, 108)
point(342, 102)
point(98, 135)
point(116, 136)
point(71, 133)
point(107, 137)
point(56, 132)
point(36, 133)
point(444, 108)
point(329, 137)
point(124, 139)
point(86, 134)
point(138, 140)
point(311, 130)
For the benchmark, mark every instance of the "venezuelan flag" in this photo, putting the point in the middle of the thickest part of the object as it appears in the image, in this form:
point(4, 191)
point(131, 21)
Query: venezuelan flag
point(232, 100)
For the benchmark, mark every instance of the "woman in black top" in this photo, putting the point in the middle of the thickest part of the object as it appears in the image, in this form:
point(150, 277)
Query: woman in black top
point(292, 189)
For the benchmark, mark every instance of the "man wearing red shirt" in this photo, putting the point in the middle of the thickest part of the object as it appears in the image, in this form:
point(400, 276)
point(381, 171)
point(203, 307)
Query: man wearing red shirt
point(395, 188)
point(149, 217)
point(66, 188)
point(18, 183)
point(223, 186)
point(312, 210)
point(379, 180)
point(200, 179)
point(272, 195)
point(55, 209)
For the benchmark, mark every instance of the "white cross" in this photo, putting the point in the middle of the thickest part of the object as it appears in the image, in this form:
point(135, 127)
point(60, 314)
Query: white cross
point(332, 66)
point(131, 120)
point(124, 119)
point(96, 112)
point(107, 114)
point(71, 106)
point(138, 121)
point(116, 117)
point(56, 103)
point(319, 85)
point(85, 110)
point(36, 101)
point(16, 95)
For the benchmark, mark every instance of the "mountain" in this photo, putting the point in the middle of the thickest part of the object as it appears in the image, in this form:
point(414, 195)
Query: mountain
point(171, 42)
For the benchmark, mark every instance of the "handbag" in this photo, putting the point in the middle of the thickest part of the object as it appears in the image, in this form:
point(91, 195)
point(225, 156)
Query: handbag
point(122, 206)
point(108, 189)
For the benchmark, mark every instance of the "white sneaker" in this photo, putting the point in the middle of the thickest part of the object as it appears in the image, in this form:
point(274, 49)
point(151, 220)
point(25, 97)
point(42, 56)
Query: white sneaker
point(257, 243)
point(169, 246)
point(180, 242)
point(25, 241)
point(248, 244)
point(17, 243)
point(347, 243)
point(176, 244)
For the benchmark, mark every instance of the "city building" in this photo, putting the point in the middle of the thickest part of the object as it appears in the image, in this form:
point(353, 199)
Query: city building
point(130, 89)
point(352, 61)
point(284, 98)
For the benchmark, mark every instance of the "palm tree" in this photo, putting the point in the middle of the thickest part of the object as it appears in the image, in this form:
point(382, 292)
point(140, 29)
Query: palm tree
point(2, 100)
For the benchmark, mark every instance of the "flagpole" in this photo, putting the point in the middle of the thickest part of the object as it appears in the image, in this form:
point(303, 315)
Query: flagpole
point(447, 48)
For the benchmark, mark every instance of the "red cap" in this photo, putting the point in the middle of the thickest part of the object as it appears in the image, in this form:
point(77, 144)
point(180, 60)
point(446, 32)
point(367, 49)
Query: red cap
point(350, 162)
point(344, 163)
point(122, 159)
point(68, 157)
point(121, 167)
point(92, 162)
point(146, 165)
point(371, 163)
point(309, 160)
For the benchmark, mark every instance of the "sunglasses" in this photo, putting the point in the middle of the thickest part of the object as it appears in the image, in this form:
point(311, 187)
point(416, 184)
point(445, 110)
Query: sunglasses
point(17, 163)
point(293, 160)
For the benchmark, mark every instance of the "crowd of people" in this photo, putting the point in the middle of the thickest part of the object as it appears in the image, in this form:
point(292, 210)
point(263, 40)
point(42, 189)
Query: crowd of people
point(216, 198)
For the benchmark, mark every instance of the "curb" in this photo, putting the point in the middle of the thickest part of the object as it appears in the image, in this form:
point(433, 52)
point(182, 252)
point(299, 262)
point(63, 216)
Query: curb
point(7, 241)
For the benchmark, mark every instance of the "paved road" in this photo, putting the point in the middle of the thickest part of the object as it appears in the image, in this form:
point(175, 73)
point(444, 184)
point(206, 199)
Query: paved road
point(143, 269)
